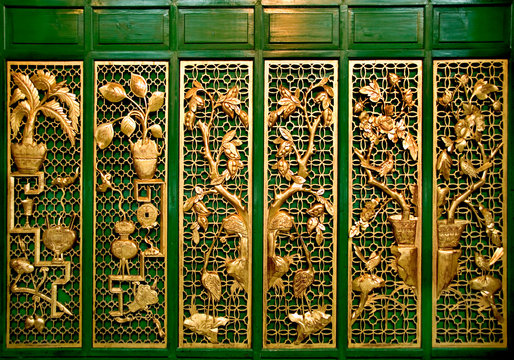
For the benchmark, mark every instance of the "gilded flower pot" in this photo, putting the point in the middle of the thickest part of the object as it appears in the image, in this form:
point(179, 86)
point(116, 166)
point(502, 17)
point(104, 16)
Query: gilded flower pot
point(145, 156)
point(28, 157)
point(404, 230)
point(448, 235)
point(447, 267)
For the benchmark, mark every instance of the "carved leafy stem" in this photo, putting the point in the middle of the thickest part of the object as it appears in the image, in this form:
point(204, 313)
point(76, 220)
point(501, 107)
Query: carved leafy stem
point(469, 127)
point(230, 105)
point(29, 104)
point(114, 92)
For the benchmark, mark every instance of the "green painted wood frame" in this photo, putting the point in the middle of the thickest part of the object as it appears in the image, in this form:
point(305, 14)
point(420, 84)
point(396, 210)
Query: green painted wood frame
point(349, 29)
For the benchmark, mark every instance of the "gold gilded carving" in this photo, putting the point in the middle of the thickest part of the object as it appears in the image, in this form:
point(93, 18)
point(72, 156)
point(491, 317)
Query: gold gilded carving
point(44, 199)
point(300, 219)
point(215, 257)
point(131, 206)
point(469, 143)
point(384, 238)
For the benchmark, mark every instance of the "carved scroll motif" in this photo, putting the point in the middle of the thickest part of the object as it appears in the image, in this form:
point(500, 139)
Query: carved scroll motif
point(45, 204)
point(385, 239)
point(470, 139)
point(130, 204)
point(300, 216)
point(215, 232)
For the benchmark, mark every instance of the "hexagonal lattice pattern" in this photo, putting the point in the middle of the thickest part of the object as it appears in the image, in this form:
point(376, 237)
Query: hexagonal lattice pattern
point(232, 312)
point(130, 306)
point(393, 317)
point(459, 318)
point(31, 319)
point(300, 78)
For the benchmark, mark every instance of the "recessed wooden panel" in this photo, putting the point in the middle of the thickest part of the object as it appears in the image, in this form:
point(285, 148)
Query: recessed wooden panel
point(397, 27)
point(141, 26)
point(44, 26)
point(462, 26)
point(204, 27)
point(304, 28)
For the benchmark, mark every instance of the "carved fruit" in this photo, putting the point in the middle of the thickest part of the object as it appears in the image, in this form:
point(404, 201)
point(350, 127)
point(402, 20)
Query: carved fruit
point(39, 323)
point(29, 322)
point(22, 266)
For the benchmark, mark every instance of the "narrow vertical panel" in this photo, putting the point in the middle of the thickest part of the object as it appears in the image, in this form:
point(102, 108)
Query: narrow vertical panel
point(215, 211)
point(470, 147)
point(130, 204)
point(44, 304)
point(300, 214)
point(385, 211)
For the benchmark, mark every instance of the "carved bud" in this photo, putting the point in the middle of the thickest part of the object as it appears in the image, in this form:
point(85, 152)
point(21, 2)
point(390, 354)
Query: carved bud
point(190, 120)
point(358, 107)
point(272, 118)
point(327, 117)
point(497, 106)
point(393, 79)
point(312, 223)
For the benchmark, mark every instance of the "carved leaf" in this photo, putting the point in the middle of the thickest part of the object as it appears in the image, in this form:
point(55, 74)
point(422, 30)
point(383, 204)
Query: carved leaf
point(189, 203)
point(54, 110)
point(228, 136)
point(113, 92)
point(138, 85)
point(156, 131)
point(285, 134)
point(104, 134)
point(321, 82)
point(196, 236)
point(372, 90)
point(17, 115)
point(27, 88)
point(329, 90)
point(197, 84)
point(191, 92)
point(128, 125)
point(482, 89)
point(443, 164)
point(16, 95)
point(409, 143)
point(203, 222)
point(156, 101)
point(329, 207)
point(43, 80)
point(298, 179)
point(319, 236)
point(73, 105)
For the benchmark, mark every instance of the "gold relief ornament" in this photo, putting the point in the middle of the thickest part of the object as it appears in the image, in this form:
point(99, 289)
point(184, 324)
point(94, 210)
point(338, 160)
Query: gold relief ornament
point(236, 224)
point(57, 103)
point(394, 103)
point(145, 151)
point(281, 221)
point(460, 146)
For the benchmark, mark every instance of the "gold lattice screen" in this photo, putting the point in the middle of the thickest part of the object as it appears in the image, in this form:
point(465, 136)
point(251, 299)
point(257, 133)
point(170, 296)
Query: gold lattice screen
point(300, 216)
point(44, 200)
point(130, 204)
point(215, 183)
point(385, 228)
point(470, 103)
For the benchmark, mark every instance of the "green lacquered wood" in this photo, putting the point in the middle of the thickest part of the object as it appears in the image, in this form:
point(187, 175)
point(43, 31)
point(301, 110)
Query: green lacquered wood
point(131, 3)
point(44, 26)
point(479, 25)
point(386, 28)
point(305, 28)
point(211, 3)
point(142, 28)
point(216, 28)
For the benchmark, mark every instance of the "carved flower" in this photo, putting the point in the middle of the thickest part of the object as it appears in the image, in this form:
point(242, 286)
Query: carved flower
point(283, 168)
point(393, 79)
point(446, 99)
point(145, 295)
point(233, 167)
point(408, 98)
point(310, 322)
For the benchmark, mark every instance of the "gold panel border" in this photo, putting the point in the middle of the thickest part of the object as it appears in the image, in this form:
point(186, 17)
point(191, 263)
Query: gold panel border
point(9, 64)
point(418, 242)
point(333, 344)
point(120, 345)
point(506, 104)
point(181, 344)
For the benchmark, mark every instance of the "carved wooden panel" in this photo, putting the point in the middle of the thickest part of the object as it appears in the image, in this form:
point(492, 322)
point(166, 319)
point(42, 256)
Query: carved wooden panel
point(470, 147)
point(215, 211)
point(130, 204)
point(385, 236)
point(44, 306)
point(300, 216)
